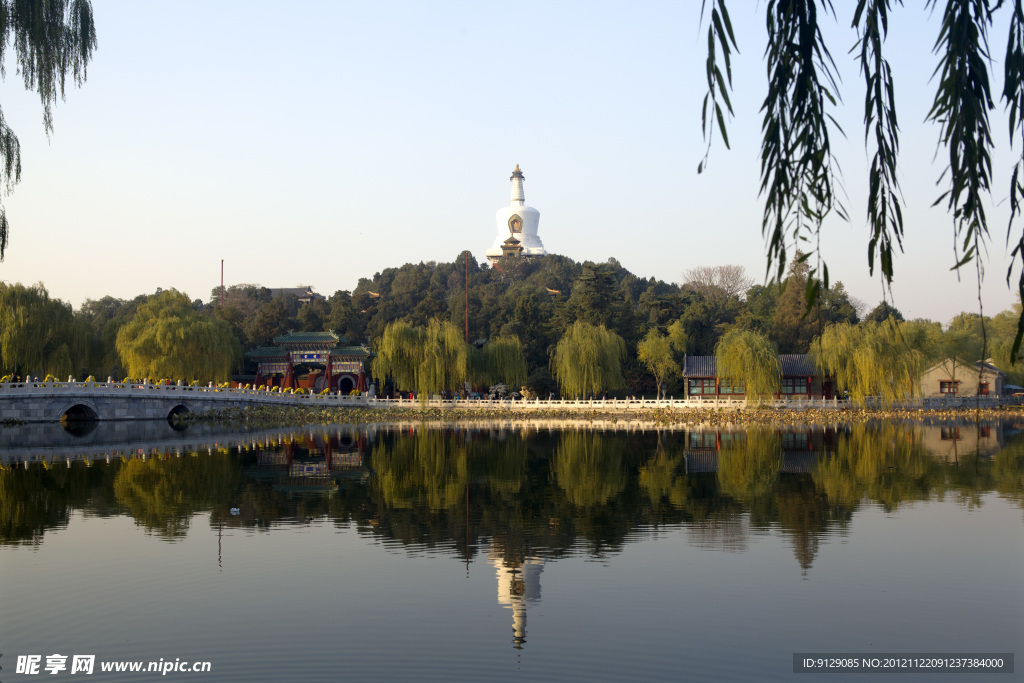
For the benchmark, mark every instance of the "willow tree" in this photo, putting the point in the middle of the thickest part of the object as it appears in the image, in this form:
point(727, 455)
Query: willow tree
point(40, 335)
point(444, 358)
point(799, 172)
point(871, 359)
point(500, 361)
point(588, 359)
point(428, 359)
point(52, 40)
point(169, 338)
point(749, 359)
point(398, 354)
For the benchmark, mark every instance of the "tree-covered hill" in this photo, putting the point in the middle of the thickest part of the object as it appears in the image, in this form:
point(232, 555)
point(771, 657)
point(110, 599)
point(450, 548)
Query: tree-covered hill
point(534, 299)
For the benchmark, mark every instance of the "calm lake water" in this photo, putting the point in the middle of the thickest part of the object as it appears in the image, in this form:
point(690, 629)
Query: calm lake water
point(508, 554)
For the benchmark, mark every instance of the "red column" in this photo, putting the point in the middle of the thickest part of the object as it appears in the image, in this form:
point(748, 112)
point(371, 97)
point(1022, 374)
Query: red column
point(289, 376)
point(329, 383)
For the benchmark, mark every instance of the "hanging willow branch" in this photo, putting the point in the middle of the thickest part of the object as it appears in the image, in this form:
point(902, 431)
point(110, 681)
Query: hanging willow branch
point(52, 40)
point(1013, 97)
point(962, 102)
point(798, 176)
point(719, 34)
point(885, 218)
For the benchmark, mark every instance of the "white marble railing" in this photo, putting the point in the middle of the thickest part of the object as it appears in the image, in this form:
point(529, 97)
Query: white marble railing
point(261, 395)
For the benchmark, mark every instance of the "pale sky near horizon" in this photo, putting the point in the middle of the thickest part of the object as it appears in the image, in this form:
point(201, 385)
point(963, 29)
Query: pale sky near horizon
point(324, 142)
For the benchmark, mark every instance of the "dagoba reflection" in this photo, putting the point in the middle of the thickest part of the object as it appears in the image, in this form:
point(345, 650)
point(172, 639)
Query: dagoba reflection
point(518, 588)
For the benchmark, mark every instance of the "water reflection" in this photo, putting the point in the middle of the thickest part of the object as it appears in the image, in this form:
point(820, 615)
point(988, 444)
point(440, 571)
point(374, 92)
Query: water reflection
point(517, 498)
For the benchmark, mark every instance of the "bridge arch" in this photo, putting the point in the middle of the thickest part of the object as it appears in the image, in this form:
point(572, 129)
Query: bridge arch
point(76, 411)
point(178, 410)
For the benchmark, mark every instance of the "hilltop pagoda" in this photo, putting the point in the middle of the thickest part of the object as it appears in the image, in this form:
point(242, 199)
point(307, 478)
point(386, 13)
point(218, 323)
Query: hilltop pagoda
point(517, 226)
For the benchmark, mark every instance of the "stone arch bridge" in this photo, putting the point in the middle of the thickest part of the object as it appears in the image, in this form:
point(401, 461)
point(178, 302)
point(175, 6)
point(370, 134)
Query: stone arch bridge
point(54, 401)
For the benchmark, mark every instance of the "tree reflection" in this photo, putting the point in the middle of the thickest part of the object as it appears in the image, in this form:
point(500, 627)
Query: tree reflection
point(516, 495)
point(163, 494)
point(883, 461)
point(589, 468)
point(41, 496)
point(749, 471)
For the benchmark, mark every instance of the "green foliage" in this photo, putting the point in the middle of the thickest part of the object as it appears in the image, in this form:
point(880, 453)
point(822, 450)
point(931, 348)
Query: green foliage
point(587, 360)
point(882, 312)
point(52, 40)
point(657, 352)
point(499, 361)
point(398, 355)
point(428, 359)
point(443, 364)
point(872, 359)
point(750, 359)
point(167, 337)
point(40, 335)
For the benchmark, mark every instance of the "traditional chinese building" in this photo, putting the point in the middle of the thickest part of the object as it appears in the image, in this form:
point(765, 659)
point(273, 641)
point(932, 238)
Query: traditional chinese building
point(311, 360)
point(800, 379)
point(517, 226)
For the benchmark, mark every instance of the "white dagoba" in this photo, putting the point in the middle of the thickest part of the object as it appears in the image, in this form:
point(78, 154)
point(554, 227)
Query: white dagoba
point(517, 225)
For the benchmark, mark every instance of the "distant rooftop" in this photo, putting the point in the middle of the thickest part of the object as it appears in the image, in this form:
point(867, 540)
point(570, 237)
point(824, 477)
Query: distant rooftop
point(304, 294)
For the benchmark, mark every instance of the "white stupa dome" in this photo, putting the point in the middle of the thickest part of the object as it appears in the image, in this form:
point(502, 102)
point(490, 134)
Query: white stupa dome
point(517, 222)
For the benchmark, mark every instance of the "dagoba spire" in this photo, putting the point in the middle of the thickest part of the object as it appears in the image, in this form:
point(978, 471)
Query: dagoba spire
point(517, 178)
point(517, 226)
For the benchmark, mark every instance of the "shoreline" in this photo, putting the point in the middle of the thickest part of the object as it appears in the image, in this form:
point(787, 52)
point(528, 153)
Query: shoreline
point(653, 417)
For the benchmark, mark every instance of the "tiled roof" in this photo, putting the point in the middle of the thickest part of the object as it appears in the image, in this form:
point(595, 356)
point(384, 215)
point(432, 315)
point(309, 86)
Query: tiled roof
point(268, 352)
point(988, 367)
point(308, 337)
point(700, 366)
point(797, 365)
point(301, 293)
point(793, 365)
point(350, 351)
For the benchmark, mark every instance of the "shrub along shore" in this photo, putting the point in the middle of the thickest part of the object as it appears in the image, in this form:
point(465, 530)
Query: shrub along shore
point(274, 416)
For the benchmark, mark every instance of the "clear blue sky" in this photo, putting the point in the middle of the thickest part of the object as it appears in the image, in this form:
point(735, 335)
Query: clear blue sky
point(323, 142)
